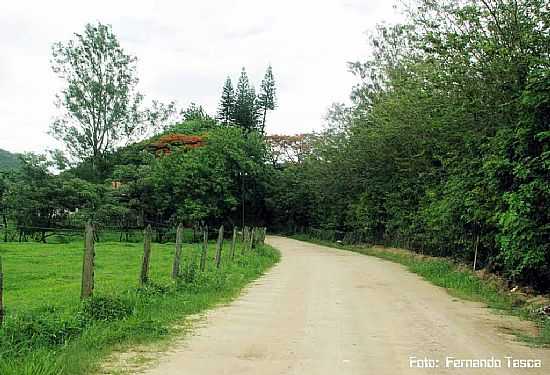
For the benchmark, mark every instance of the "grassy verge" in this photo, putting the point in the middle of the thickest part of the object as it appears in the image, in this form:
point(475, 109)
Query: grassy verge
point(460, 282)
point(49, 331)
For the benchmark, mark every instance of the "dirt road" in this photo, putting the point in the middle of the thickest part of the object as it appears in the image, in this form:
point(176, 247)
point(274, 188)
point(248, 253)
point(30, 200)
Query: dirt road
point(325, 311)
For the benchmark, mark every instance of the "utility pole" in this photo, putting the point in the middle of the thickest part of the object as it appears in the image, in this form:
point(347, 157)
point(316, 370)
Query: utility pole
point(242, 197)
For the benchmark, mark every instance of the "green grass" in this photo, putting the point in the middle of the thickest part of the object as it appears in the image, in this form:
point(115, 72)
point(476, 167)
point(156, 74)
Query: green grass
point(47, 329)
point(459, 282)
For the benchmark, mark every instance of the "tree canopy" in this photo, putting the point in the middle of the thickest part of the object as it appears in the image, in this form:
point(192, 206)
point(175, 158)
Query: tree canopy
point(445, 148)
point(99, 101)
point(242, 107)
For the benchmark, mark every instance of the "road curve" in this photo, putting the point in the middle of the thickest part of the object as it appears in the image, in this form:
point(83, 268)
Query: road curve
point(326, 311)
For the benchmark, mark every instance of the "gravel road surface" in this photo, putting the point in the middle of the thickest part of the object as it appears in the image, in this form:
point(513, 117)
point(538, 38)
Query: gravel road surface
point(326, 311)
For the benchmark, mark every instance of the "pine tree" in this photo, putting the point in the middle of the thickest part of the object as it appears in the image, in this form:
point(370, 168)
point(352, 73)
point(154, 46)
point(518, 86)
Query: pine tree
point(227, 103)
point(246, 109)
point(267, 99)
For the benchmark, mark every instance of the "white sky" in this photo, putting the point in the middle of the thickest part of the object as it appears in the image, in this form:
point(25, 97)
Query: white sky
point(185, 50)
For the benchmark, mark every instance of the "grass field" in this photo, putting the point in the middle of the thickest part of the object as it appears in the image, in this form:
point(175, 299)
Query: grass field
point(48, 330)
point(460, 282)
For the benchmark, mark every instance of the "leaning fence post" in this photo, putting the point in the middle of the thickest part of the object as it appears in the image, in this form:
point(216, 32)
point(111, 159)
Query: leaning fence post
point(1, 293)
point(219, 246)
point(233, 243)
point(144, 276)
point(177, 255)
point(204, 248)
point(87, 286)
point(475, 254)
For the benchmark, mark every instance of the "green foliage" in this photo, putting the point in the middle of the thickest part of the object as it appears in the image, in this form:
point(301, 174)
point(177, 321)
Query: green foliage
point(195, 113)
point(106, 308)
point(49, 331)
point(200, 184)
point(45, 328)
point(227, 103)
point(35, 198)
point(523, 157)
point(242, 107)
point(8, 160)
point(99, 100)
point(445, 148)
point(267, 99)
point(194, 126)
point(245, 113)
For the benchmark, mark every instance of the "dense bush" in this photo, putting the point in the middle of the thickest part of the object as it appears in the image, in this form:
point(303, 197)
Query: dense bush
point(30, 331)
point(106, 308)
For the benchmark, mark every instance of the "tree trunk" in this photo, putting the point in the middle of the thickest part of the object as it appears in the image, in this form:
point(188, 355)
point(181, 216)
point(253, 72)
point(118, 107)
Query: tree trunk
point(263, 122)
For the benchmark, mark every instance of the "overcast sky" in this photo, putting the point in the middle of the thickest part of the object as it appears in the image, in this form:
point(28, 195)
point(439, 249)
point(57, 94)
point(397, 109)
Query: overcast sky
point(185, 50)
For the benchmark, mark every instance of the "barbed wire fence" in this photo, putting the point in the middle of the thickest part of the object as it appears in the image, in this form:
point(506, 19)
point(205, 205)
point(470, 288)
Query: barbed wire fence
point(250, 238)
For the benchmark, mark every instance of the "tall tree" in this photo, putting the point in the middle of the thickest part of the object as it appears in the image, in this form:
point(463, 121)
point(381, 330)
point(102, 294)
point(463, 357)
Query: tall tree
point(227, 102)
point(99, 101)
point(246, 110)
point(267, 100)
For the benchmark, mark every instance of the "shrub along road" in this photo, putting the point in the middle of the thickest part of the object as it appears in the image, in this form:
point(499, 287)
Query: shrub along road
point(327, 311)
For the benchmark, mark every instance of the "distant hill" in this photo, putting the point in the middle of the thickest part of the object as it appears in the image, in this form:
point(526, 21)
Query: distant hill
point(8, 160)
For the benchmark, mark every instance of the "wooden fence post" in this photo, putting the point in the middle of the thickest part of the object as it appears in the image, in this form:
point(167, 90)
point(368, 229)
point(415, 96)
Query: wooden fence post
point(245, 235)
point(252, 244)
point(177, 255)
point(233, 243)
point(87, 286)
point(219, 246)
point(144, 276)
point(204, 248)
point(1, 293)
